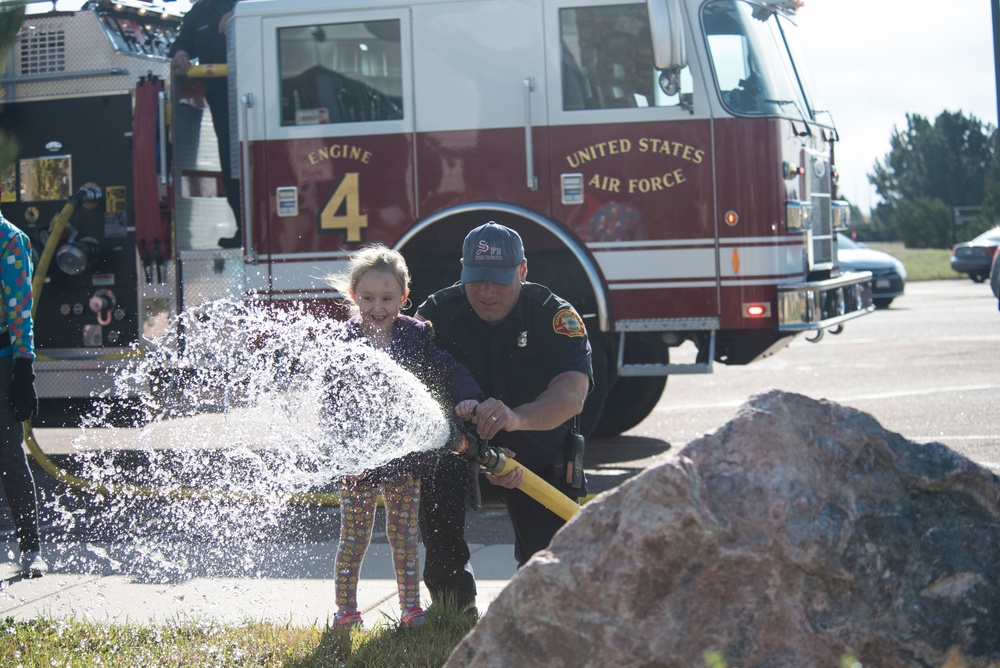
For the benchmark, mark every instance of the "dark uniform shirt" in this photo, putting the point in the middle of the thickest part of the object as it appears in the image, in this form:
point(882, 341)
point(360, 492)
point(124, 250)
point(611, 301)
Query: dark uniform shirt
point(516, 360)
point(199, 35)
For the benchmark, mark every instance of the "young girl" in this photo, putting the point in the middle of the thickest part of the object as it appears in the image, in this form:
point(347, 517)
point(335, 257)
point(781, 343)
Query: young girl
point(378, 284)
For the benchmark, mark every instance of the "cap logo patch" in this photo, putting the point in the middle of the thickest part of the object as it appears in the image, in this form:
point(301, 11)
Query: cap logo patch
point(568, 323)
point(486, 253)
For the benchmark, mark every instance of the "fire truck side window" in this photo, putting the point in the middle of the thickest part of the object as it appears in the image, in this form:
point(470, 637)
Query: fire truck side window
point(607, 59)
point(340, 73)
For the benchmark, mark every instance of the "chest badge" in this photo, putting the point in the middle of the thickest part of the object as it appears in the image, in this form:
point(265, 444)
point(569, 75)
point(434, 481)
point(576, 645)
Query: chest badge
point(522, 340)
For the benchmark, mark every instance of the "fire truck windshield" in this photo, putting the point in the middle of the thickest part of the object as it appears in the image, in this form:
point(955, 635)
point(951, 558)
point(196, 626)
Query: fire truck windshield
point(754, 70)
point(817, 107)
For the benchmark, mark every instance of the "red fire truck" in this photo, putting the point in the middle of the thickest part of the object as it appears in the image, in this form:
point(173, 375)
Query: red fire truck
point(665, 161)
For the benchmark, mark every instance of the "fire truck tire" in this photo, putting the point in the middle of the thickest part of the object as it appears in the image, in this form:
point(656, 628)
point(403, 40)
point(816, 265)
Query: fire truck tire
point(632, 398)
point(630, 401)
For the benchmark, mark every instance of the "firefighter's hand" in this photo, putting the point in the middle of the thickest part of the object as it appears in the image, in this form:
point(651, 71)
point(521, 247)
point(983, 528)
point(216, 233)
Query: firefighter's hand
point(493, 416)
point(181, 62)
point(510, 480)
point(466, 409)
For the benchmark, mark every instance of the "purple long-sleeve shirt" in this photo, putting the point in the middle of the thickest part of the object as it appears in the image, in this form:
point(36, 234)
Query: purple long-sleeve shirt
point(412, 347)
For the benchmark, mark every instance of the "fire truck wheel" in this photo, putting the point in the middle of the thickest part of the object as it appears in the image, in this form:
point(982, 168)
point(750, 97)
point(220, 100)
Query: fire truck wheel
point(632, 398)
point(628, 404)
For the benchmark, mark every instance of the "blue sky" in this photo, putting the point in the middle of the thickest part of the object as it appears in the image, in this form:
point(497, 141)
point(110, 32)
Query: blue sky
point(874, 61)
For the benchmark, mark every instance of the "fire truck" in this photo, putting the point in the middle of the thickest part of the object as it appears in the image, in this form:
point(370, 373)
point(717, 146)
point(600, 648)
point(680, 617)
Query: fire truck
point(666, 162)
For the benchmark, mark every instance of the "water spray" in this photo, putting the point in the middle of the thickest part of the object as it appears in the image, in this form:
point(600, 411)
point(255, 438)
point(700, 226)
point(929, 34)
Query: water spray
point(260, 381)
point(89, 195)
point(494, 461)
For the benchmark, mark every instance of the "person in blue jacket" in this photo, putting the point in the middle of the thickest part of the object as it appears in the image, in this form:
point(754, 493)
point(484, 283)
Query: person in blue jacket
point(18, 401)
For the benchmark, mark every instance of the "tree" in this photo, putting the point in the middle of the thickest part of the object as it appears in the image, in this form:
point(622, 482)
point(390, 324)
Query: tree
point(930, 169)
point(928, 223)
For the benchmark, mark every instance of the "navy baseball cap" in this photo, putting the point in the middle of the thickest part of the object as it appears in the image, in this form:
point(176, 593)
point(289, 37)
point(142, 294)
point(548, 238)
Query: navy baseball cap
point(492, 253)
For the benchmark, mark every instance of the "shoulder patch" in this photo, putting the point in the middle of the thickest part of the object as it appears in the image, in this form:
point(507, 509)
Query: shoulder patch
point(568, 323)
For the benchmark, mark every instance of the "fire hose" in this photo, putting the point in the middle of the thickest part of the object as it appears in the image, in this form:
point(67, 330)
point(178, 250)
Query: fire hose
point(494, 461)
point(491, 459)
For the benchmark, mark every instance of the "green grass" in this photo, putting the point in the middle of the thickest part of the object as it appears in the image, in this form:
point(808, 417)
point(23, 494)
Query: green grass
point(922, 264)
point(72, 644)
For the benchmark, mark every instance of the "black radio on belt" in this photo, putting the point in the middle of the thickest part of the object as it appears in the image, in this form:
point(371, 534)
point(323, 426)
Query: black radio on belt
point(574, 456)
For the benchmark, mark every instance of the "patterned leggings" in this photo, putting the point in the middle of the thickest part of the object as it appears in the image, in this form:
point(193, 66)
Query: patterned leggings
point(357, 518)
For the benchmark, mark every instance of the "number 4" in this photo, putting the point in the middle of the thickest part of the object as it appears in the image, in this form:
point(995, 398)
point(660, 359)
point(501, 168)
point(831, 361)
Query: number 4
point(350, 219)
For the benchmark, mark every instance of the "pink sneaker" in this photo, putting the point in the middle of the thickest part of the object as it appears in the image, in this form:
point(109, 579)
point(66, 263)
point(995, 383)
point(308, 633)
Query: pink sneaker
point(351, 618)
point(413, 617)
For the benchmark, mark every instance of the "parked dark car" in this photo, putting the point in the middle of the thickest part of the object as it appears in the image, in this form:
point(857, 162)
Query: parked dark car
point(888, 273)
point(975, 257)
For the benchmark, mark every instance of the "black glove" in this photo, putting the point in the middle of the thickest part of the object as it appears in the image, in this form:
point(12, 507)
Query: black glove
point(22, 390)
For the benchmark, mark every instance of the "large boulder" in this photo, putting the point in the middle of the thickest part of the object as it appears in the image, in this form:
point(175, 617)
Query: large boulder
point(800, 534)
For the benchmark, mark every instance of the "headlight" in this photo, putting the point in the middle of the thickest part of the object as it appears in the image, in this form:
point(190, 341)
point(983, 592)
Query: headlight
point(840, 214)
point(797, 215)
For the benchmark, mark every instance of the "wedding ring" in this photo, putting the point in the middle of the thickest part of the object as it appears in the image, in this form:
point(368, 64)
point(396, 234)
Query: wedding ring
point(493, 417)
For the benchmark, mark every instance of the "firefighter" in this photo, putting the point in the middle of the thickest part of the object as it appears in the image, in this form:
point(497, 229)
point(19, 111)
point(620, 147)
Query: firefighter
point(18, 401)
point(529, 351)
point(203, 36)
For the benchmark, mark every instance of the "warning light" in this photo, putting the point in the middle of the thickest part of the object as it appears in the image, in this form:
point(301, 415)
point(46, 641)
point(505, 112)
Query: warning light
point(731, 218)
point(790, 171)
point(757, 310)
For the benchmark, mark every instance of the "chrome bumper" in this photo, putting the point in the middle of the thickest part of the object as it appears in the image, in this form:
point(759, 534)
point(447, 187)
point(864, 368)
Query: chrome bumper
point(823, 304)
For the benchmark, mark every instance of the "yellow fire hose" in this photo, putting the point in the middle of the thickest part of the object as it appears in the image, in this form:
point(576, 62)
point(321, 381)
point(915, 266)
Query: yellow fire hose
point(532, 485)
point(543, 492)
point(494, 461)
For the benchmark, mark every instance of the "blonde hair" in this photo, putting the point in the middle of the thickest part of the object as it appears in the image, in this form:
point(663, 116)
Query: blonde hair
point(374, 257)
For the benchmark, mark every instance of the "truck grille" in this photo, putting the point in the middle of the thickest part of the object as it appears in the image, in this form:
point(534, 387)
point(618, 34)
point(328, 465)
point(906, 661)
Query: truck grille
point(818, 185)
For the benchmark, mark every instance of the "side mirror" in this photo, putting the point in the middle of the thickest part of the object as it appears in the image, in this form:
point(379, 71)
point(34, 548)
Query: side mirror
point(667, 28)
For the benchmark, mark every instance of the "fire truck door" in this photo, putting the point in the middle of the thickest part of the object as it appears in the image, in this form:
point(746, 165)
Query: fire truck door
point(631, 164)
point(481, 116)
point(332, 164)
